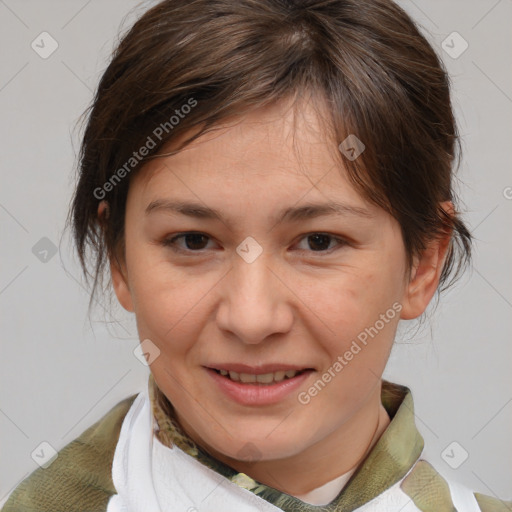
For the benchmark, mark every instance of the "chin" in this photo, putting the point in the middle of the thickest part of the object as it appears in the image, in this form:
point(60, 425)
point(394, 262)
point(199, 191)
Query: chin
point(259, 449)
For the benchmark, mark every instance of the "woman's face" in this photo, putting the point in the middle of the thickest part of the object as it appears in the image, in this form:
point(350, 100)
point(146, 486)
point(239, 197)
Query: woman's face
point(290, 270)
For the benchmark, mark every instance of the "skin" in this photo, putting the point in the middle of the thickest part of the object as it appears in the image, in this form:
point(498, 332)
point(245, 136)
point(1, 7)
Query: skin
point(293, 304)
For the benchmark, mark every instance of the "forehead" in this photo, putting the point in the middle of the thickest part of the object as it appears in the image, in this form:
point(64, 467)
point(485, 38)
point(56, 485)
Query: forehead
point(276, 154)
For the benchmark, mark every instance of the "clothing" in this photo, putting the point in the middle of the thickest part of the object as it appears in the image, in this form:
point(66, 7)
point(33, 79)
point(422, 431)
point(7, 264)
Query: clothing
point(327, 492)
point(137, 459)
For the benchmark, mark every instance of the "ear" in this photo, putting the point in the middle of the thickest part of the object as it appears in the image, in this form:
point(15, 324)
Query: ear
point(117, 268)
point(425, 273)
point(121, 285)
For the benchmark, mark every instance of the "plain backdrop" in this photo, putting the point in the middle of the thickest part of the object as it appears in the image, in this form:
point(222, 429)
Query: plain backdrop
point(61, 371)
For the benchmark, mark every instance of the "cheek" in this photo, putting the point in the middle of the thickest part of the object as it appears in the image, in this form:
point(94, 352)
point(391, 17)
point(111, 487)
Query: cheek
point(358, 314)
point(356, 298)
point(167, 306)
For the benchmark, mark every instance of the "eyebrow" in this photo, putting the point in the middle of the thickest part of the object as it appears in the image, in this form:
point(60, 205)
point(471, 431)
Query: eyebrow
point(290, 214)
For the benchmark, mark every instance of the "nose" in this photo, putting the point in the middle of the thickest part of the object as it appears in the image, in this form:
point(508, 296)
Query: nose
point(255, 302)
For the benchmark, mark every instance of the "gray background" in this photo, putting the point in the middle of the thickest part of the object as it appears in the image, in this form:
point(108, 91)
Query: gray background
point(61, 372)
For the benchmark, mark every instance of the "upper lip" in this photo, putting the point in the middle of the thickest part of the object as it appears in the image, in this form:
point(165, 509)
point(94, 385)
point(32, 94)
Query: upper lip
point(259, 369)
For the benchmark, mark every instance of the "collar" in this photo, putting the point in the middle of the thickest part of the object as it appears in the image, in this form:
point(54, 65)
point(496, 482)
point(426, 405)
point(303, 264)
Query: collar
point(389, 460)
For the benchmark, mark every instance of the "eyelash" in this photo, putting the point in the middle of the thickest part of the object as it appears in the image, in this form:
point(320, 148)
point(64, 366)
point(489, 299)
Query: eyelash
point(171, 242)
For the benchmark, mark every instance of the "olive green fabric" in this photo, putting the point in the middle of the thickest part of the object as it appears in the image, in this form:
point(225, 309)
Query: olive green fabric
point(428, 489)
point(490, 504)
point(430, 492)
point(80, 479)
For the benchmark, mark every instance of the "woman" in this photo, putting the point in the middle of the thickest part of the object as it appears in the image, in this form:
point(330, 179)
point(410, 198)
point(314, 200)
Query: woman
point(269, 184)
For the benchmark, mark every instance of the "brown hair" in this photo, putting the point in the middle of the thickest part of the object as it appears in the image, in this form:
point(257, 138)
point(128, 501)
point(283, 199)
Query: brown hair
point(367, 59)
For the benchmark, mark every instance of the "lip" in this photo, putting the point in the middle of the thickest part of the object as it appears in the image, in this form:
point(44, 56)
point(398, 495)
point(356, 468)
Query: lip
point(258, 369)
point(250, 394)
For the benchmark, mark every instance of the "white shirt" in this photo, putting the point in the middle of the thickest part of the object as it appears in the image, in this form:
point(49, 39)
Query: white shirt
point(326, 493)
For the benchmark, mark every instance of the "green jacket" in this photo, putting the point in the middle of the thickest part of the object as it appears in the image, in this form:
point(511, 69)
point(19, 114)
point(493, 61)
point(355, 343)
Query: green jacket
point(80, 478)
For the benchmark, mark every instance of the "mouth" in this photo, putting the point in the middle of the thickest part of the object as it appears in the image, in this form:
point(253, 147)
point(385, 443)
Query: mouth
point(264, 379)
point(263, 385)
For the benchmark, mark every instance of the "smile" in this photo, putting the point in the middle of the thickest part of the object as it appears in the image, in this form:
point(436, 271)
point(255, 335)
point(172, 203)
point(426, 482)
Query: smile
point(258, 386)
point(263, 378)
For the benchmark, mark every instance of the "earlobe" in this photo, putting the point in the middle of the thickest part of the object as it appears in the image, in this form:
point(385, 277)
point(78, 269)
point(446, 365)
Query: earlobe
point(121, 287)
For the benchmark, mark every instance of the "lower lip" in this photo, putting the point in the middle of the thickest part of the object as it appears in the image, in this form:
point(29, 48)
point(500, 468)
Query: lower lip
point(258, 394)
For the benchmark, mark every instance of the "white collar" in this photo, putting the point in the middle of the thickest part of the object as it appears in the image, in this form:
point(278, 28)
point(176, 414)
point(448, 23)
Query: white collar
point(147, 474)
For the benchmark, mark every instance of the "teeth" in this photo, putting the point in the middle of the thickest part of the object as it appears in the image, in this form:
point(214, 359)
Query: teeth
point(246, 377)
point(279, 376)
point(265, 378)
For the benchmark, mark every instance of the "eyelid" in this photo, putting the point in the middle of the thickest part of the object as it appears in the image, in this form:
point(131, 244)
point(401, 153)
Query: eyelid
point(340, 242)
point(170, 242)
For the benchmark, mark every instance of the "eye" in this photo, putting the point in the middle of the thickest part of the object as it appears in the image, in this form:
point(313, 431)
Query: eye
point(320, 242)
point(194, 242)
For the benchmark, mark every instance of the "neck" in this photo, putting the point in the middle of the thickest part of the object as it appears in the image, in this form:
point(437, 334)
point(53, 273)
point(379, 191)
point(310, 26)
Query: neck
point(339, 453)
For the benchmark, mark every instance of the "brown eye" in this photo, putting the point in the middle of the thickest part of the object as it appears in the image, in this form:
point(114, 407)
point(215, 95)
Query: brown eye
point(321, 243)
point(193, 242)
